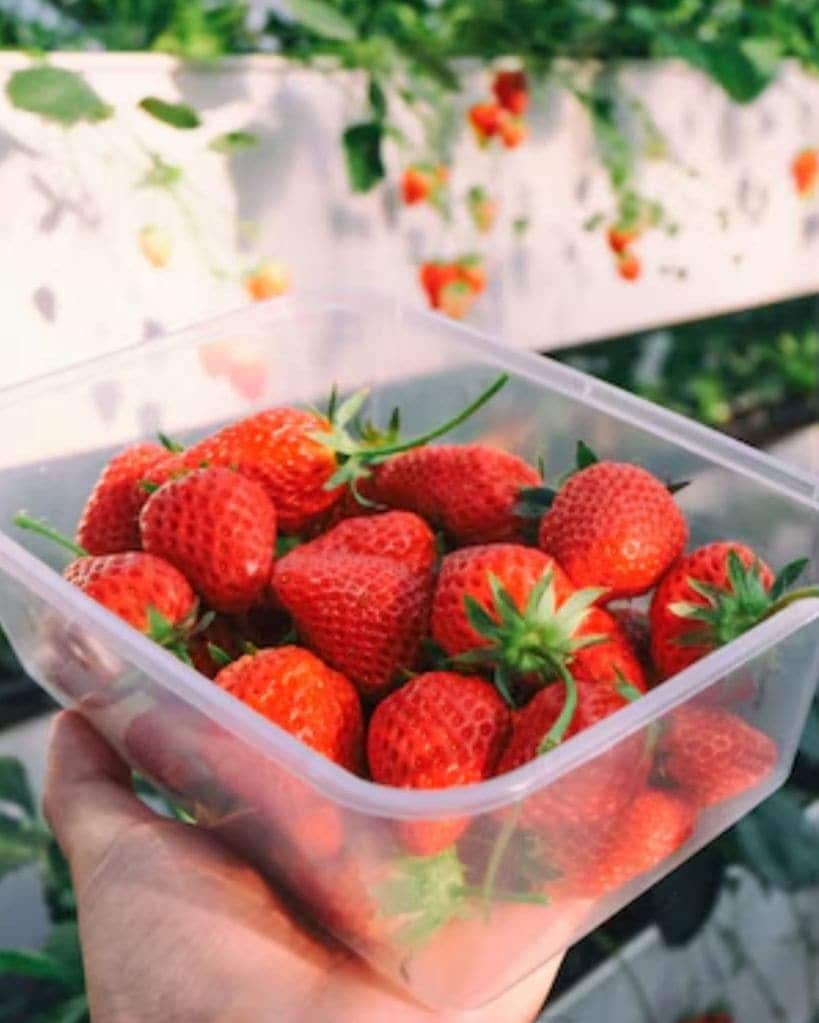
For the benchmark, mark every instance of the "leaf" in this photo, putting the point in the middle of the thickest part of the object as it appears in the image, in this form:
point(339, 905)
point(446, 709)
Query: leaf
point(56, 94)
point(14, 786)
point(788, 576)
point(779, 845)
point(378, 101)
point(362, 151)
point(74, 1010)
point(36, 965)
point(324, 19)
point(233, 142)
point(20, 843)
point(63, 947)
point(177, 115)
point(742, 68)
point(585, 456)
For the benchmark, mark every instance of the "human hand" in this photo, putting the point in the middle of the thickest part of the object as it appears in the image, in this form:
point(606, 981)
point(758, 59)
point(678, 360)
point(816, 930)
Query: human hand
point(175, 928)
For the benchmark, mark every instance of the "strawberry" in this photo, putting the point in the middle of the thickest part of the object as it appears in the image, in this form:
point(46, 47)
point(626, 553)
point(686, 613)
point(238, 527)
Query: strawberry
point(415, 185)
point(511, 91)
point(438, 730)
point(434, 276)
point(805, 172)
point(267, 280)
point(155, 244)
point(482, 209)
point(302, 459)
point(296, 691)
point(485, 119)
point(620, 237)
point(513, 130)
point(456, 299)
point(472, 272)
point(207, 646)
point(143, 590)
point(636, 628)
point(710, 755)
point(629, 266)
point(651, 829)
point(572, 815)
point(359, 595)
point(219, 529)
point(110, 519)
point(468, 490)
point(708, 598)
point(613, 525)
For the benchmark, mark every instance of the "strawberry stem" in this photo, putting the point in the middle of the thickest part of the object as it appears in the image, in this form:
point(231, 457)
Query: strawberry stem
point(499, 850)
point(24, 521)
point(558, 730)
point(803, 593)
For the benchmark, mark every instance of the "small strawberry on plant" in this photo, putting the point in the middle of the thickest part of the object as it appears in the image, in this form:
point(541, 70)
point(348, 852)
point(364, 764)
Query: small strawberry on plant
point(805, 172)
point(472, 272)
point(482, 209)
point(434, 276)
point(424, 183)
point(511, 91)
point(513, 130)
point(155, 244)
point(620, 236)
point(456, 299)
point(267, 280)
point(712, 596)
point(629, 266)
point(485, 119)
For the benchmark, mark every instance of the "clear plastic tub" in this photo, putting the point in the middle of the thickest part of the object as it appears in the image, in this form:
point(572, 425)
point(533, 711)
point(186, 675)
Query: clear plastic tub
point(328, 836)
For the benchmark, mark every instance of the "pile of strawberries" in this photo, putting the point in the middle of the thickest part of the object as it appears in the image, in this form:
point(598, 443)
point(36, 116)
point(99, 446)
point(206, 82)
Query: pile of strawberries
point(502, 117)
point(436, 615)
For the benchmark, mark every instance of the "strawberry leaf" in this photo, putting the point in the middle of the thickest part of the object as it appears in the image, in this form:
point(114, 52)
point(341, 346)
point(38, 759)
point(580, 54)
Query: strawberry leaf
point(177, 115)
point(584, 456)
point(788, 576)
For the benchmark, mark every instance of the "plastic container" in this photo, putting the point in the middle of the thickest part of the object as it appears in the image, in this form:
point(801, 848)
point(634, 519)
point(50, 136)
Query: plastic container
point(331, 838)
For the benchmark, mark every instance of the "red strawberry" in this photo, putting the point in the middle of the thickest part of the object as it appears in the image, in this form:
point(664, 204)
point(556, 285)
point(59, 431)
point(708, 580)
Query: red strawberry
point(438, 730)
point(620, 237)
point(415, 185)
point(511, 91)
point(267, 280)
point(110, 518)
point(485, 119)
point(466, 573)
point(361, 600)
point(292, 688)
point(471, 271)
point(611, 660)
point(219, 529)
point(138, 587)
point(652, 828)
point(629, 266)
point(434, 277)
point(614, 525)
point(805, 172)
point(592, 795)
point(513, 130)
point(708, 598)
point(710, 755)
point(468, 490)
point(280, 450)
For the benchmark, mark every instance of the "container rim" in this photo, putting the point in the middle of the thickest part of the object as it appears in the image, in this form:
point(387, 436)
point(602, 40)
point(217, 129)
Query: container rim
point(346, 789)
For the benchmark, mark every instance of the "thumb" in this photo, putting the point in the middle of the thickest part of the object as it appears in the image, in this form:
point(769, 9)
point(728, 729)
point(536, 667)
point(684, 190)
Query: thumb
point(87, 798)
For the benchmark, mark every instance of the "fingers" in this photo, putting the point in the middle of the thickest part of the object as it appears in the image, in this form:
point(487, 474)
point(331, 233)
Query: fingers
point(87, 798)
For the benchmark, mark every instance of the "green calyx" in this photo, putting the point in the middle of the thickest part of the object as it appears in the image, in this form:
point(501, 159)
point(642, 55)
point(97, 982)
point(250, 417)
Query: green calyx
point(359, 445)
point(540, 639)
point(729, 612)
point(534, 502)
point(430, 891)
point(174, 637)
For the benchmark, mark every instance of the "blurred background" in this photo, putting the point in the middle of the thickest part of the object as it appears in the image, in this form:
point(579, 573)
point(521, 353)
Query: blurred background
point(630, 188)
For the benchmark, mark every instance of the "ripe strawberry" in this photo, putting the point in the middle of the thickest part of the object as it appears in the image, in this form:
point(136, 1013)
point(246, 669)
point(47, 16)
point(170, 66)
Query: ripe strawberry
point(472, 272)
point(143, 590)
point(513, 130)
point(620, 237)
point(485, 119)
point(482, 209)
point(302, 459)
point(805, 172)
point(219, 529)
point(468, 490)
point(155, 244)
point(360, 600)
point(511, 91)
point(110, 519)
point(456, 299)
point(629, 266)
point(415, 185)
point(710, 755)
point(292, 688)
point(653, 827)
point(267, 280)
point(434, 277)
point(614, 525)
point(708, 598)
point(438, 730)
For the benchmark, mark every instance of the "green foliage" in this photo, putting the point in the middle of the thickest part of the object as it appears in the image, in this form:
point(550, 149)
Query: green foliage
point(362, 153)
point(56, 94)
point(233, 142)
point(177, 115)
